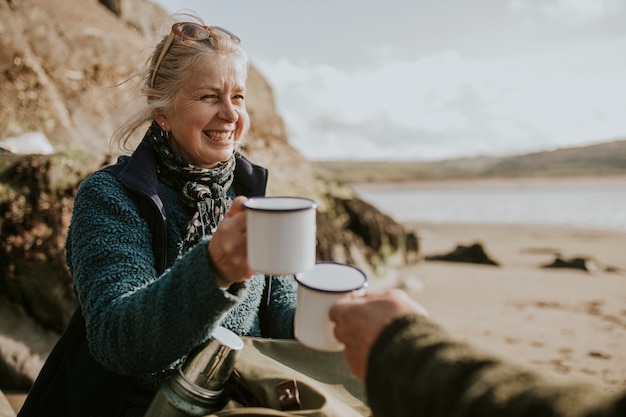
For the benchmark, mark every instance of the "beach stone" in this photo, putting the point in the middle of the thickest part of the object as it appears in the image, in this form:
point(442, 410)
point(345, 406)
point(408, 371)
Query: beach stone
point(474, 253)
point(581, 263)
point(24, 346)
point(411, 248)
point(6, 410)
point(28, 143)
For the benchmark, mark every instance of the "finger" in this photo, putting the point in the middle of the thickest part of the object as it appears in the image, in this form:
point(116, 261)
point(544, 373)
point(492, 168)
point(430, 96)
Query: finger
point(237, 206)
point(345, 303)
point(339, 307)
point(355, 362)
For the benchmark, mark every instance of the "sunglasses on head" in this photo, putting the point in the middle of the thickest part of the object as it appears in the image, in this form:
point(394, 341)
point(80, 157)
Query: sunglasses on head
point(188, 31)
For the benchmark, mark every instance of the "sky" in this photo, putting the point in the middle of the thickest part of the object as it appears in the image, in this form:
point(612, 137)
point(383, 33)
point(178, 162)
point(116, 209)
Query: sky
point(435, 79)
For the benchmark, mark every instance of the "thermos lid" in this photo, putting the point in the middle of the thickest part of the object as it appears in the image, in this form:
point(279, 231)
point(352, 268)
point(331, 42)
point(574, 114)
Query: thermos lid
point(227, 338)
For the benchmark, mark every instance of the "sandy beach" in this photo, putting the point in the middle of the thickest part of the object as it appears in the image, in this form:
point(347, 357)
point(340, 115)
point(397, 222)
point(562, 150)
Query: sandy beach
point(567, 323)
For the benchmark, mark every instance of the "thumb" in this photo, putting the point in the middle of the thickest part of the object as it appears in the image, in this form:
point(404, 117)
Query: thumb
point(237, 206)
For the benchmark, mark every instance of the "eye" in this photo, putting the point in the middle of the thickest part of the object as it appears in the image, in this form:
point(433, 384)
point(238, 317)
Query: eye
point(239, 97)
point(208, 97)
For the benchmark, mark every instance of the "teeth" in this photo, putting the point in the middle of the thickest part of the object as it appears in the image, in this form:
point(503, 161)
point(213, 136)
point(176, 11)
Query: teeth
point(219, 136)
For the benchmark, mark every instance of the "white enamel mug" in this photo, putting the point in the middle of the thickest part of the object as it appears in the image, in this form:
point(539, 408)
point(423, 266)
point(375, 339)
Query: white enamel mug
point(281, 234)
point(318, 289)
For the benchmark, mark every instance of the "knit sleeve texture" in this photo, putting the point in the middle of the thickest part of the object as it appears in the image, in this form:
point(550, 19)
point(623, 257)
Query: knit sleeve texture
point(283, 303)
point(416, 369)
point(137, 322)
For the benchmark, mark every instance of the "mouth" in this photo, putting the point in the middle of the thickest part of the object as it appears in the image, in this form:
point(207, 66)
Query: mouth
point(219, 137)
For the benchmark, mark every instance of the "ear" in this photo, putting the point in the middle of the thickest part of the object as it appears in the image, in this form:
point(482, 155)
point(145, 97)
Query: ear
point(159, 116)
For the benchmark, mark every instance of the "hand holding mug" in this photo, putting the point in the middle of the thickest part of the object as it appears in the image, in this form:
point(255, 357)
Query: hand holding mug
point(359, 321)
point(228, 247)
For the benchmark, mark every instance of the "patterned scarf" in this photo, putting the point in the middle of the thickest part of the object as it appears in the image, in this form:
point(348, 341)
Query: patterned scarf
point(206, 190)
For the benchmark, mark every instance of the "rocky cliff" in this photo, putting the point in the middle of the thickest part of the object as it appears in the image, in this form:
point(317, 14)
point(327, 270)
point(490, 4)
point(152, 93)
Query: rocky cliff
point(63, 65)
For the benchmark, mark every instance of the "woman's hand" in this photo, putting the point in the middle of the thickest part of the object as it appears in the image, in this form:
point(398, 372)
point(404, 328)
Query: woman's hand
point(359, 319)
point(228, 249)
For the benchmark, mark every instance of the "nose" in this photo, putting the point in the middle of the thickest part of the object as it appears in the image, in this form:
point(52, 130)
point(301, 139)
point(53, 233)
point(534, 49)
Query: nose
point(228, 112)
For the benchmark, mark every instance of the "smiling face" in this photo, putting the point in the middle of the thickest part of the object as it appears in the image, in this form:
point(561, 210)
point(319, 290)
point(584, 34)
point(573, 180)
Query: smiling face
point(208, 115)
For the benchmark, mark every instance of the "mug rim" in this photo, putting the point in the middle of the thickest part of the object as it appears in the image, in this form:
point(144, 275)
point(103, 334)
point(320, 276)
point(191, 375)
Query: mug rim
point(330, 291)
point(308, 203)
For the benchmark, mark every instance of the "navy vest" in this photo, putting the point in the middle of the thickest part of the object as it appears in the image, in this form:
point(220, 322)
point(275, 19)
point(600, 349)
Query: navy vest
point(71, 382)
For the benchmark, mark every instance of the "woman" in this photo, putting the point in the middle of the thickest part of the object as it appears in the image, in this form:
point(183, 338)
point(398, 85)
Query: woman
point(157, 243)
point(412, 367)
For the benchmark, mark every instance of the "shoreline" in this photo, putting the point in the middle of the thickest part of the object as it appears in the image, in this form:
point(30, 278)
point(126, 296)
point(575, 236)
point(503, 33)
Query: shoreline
point(452, 182)
point(587, 203)
point(566, 323)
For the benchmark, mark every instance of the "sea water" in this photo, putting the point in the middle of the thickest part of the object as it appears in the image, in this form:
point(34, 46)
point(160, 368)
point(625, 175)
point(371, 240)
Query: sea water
point(597, 203)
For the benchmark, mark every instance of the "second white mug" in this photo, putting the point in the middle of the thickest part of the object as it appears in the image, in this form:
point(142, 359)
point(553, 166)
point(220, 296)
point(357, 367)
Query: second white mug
point(318, 289)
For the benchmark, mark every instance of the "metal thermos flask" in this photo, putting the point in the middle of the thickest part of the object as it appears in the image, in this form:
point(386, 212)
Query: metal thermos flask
point(196, 389)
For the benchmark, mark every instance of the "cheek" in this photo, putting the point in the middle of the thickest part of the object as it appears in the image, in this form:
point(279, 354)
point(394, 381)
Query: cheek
point(243, 124)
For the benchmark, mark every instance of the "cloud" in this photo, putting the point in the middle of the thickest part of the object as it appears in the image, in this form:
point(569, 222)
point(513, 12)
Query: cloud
point(574, 11)
point(442, 106)
point(416, 94)
point(446, 104)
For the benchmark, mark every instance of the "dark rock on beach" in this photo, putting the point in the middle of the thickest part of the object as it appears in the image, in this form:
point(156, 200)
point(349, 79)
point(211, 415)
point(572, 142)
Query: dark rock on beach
point(583, 263)
point(474, 254)
point(574, 263)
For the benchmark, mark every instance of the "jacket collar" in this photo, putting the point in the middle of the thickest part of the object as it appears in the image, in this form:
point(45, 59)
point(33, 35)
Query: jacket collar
point(138, 172)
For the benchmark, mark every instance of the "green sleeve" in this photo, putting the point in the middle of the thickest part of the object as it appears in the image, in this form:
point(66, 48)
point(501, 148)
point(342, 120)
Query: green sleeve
point(416, 369)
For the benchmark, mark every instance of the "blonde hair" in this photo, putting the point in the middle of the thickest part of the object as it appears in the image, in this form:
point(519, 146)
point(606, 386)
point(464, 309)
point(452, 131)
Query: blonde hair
point(179, 58)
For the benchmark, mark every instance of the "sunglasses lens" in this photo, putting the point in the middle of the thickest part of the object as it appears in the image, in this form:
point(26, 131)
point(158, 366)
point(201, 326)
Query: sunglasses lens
point(193, 31)
point(226, 32)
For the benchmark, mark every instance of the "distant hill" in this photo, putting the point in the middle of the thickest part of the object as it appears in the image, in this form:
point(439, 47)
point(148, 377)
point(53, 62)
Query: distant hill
point(607, 158)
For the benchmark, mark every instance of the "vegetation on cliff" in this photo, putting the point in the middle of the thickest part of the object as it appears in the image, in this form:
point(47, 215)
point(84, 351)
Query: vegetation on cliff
point(600, 159)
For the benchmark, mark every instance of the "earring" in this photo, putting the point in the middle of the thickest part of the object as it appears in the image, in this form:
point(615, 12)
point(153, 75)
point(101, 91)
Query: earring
point(164, 134)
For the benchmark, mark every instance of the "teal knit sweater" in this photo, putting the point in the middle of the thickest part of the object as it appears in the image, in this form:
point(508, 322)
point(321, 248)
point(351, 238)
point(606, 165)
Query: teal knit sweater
point(141, 324)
